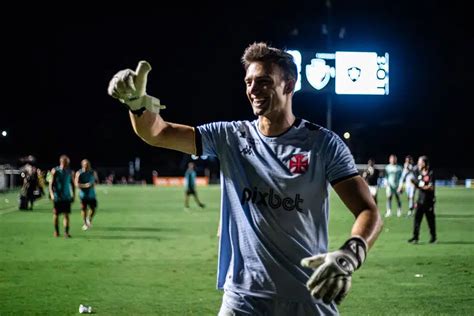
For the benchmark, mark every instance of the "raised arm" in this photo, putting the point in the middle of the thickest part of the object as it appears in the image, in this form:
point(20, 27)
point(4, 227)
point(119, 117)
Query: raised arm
point(157, 132)
point(129, 87)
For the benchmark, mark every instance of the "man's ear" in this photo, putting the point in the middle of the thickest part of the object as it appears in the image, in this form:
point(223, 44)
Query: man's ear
point(289, 86)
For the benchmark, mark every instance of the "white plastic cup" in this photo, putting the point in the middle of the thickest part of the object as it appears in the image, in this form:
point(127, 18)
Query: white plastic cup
point(84, 309)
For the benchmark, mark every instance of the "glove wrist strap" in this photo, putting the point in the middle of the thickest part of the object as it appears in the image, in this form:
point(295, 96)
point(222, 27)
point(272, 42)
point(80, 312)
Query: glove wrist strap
point(357, 246)
point(143, 103)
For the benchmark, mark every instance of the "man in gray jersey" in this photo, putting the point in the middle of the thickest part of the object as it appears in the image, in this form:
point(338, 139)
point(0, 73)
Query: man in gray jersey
point(275, 175)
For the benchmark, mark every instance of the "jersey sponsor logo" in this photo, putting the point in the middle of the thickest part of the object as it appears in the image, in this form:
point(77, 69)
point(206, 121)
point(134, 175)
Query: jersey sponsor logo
point(271, 199)
point(299, 163)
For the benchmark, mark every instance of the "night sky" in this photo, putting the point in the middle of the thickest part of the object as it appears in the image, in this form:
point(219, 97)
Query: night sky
point(58, 67)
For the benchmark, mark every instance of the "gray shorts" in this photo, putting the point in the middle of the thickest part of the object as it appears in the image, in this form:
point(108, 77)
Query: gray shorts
point(237, 304)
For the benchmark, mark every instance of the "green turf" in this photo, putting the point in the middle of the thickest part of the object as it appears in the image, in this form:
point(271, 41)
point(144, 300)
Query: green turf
point(146, 255)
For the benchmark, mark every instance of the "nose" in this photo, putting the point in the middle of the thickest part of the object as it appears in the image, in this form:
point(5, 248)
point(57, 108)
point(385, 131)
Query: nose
point(253, 88)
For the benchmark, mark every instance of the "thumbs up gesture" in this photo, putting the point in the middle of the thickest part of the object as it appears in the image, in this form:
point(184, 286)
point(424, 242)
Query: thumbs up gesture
point(129, 87)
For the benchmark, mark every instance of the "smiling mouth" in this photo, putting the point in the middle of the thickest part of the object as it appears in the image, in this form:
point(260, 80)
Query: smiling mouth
point(259, 102)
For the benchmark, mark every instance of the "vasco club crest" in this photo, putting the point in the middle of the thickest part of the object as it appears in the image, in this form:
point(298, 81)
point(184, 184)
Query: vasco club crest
point(299, 163)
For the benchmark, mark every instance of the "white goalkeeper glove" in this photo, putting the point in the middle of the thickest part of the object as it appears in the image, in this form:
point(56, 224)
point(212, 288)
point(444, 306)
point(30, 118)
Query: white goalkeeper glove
point(129, 87)
point(332, 277)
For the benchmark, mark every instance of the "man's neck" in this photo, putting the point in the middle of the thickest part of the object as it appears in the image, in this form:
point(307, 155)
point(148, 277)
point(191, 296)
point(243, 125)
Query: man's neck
point(274, 125)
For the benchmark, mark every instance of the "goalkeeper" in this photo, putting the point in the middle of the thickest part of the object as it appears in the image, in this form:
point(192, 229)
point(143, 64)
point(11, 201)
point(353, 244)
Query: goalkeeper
point(275, 176)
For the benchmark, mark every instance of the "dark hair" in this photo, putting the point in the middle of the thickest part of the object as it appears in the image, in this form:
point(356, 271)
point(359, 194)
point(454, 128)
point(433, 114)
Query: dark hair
point(261, 52)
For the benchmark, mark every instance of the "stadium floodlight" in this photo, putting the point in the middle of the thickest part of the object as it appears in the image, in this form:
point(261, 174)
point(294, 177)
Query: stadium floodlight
point(4, 133)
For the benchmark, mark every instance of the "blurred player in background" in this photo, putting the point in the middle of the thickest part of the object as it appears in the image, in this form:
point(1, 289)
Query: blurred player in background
point(371, 176)
point(393, 174)
point(86, 178)
point(275, 176)
point(424, 181)
point(190, 185)
point(62, 192)
point(41, 181)
point(29, 187)
point(48, 180)
point(408, 174)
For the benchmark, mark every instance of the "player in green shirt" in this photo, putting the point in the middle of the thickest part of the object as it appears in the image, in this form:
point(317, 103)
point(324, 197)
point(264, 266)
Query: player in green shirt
point(62, 192)
point(86, 178)
point(393, 175)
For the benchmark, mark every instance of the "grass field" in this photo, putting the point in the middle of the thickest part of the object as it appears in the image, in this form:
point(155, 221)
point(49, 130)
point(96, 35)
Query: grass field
point(145, 255)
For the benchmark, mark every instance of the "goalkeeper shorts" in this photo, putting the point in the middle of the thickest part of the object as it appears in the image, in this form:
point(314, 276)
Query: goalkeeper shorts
point(235, 304)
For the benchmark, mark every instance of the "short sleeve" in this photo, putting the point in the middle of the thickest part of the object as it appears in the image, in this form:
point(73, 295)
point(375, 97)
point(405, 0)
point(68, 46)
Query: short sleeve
point(210, 138)
point(340, 164)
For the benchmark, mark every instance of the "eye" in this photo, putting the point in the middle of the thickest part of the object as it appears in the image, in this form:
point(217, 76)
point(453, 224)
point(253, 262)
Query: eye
point(264, 82)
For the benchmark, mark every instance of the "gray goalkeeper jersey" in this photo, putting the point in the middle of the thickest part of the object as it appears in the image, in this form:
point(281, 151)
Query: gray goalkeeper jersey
point(274, 203)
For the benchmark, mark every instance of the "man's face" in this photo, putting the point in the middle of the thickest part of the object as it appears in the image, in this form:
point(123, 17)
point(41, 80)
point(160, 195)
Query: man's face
point(85, 164)
point(421, 163)
point(265, 88)
point(64, 161)
point(393, 159)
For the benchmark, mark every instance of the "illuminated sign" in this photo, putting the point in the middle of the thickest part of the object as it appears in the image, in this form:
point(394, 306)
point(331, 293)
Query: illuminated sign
point(353, 72)
point(361, 73)
point(318, 73)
